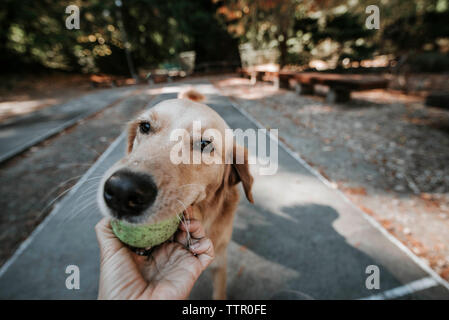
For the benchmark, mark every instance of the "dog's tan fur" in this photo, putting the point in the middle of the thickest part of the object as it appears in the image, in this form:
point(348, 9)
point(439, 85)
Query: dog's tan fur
point(211, 189)
point(191, 94)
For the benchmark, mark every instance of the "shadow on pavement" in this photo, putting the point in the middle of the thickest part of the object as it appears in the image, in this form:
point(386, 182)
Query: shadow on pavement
point(299, 256)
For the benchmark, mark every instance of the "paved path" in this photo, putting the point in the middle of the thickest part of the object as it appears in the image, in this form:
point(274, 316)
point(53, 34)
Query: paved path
point(300, 240)
point(19, 133)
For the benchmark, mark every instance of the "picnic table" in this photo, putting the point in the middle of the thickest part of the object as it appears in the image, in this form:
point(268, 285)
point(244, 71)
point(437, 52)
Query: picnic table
point(438, 99)
point(340, 85)
point(260, 74)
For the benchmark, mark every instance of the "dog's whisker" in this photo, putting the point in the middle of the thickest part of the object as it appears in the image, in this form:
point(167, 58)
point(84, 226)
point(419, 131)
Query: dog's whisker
point(60, 185)
point(72, 216)
point(183, 221)
point(63, 192)
point(88, 190)
point(189, 238)
point(86, 194)
point(93, 178)
point(90, 211)
point(95, 184)
point(79, 208)
point(82, 203)
point(90, 179)
point(55, 199)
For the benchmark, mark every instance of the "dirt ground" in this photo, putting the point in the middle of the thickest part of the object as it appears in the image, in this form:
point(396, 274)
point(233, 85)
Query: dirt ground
point(23, 95)
point(385, 150)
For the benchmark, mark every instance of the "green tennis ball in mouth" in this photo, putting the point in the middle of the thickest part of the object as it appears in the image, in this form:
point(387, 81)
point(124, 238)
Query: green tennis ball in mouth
point(145, 236)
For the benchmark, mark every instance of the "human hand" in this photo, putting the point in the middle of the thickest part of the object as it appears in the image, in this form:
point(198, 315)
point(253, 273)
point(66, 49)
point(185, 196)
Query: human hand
point(169, 273)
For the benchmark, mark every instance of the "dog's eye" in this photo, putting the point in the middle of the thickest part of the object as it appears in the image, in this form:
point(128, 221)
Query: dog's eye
point(204, 143)
point(144, 127)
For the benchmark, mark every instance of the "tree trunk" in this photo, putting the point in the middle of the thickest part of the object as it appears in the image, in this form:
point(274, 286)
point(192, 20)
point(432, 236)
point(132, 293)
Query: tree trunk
point(283, 51)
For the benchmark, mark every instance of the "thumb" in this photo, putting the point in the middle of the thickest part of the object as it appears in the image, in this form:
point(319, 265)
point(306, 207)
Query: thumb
point(107, 241)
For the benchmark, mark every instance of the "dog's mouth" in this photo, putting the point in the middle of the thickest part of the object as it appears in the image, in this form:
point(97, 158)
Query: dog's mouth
point(142, 220)
point(182, 219)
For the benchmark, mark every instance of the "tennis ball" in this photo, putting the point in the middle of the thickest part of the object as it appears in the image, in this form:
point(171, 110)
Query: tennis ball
point(145, 236)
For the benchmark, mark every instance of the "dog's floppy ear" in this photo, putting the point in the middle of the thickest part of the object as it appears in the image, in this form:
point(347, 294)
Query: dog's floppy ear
point(132, 131)
point(191, 94)
point(240, 171)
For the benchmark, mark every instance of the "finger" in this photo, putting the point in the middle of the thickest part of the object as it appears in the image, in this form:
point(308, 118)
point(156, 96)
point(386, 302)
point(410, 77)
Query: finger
point(188, 213)
point(194, 227)
point(181, 237)
point(204, 249)
point(106, 238)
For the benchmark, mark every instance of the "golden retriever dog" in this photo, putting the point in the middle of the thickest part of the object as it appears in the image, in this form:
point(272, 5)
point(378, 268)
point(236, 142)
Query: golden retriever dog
point(146, 186)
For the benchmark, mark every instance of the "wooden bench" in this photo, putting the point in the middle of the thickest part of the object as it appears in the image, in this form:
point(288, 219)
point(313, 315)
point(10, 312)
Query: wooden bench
point(259, 74)
point(340, 85)
point(438, 99)
point(249, 73)
point(106, 81)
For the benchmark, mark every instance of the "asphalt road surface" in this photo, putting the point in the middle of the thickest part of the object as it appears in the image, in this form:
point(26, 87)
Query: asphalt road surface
point(20, 133)
point(300, 240)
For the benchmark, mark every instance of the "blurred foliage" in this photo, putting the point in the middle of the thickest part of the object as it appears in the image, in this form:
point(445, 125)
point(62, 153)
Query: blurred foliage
point(34, 36)
point(346, 31)
point(334, 30)
point(264, 23)
point(417, 31)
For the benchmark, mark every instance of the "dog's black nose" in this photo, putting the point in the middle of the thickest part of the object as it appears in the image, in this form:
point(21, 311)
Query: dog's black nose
point(128, 193)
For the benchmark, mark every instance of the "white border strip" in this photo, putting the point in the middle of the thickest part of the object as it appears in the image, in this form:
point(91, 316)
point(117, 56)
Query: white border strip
point(55, 210)
point(422, 264)
point(406, 289)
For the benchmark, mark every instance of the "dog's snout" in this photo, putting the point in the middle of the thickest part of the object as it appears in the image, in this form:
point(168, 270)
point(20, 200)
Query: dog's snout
point(128, 193)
